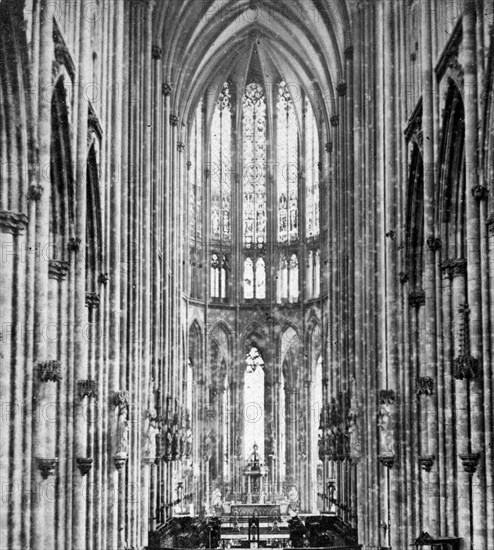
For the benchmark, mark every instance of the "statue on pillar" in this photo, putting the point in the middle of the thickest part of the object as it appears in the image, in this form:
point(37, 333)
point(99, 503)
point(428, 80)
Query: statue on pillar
point(353, 439)
point(384, 423)
point(272, 445)
point(188, 436)
point(150, 447)
point(122, 436)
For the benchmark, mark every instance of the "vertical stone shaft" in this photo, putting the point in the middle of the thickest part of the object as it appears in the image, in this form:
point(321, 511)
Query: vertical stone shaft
point(474, 283)
point(118, 255)
point(146, 395)
point(391, 227)
point(429, 432)
point(40, 450)
point(81, 319)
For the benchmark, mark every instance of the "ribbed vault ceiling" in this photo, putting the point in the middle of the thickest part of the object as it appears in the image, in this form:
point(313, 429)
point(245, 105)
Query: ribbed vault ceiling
point(206, 41)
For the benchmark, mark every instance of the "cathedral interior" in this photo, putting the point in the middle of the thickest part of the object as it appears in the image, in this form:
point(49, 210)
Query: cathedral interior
point(247, 274)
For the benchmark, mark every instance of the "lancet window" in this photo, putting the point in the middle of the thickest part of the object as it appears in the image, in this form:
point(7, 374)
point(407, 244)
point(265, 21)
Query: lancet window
point(261, 187)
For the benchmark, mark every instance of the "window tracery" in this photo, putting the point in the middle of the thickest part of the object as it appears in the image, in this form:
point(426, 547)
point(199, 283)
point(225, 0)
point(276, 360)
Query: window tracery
point(311, 172)
point(288, 166)
point(293, 291)
point(254, 164)
point(221, 167)
point(246, 147)
point(219, 276)
point(195, 176)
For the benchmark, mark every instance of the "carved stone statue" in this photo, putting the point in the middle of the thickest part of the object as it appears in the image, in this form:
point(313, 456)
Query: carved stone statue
point(272, 445)
point(353, 438)
point(150, 447)
point(122, 445)
point(188, 443)
point(384, 423)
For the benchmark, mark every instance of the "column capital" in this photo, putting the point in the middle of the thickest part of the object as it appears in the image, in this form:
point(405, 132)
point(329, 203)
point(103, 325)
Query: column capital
point(424, 385)
point(455, 267)
point(470, 462)
point(166, 89)
point(119, 460)
point(434, 243)
point(120, 399)
point(156, 51)
point(58, 269)
point(92, 300)
point(12, 222)
point(46, 466)
point(341, 88)
point(480, 193)
point(466, 367)
point(35, 192)
point(403, 275)
point(387, 461)
point(426, 462)
point(74, 244)
point(416, 298)
point(84, 465)
point(49, 371)
point(387, 396)
point(87, 388)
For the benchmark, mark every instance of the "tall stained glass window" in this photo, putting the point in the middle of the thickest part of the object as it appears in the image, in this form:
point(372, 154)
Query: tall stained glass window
point(293, 291)
point(254, 164)
point(287, 158)
point(254, 278)
point(254, 403)
point(260, 279)
point(311, 172)
point(221, 167)
point(248, 279)
point(283, 279)
point(261, 214)
point(195, 176)
point(219, 275)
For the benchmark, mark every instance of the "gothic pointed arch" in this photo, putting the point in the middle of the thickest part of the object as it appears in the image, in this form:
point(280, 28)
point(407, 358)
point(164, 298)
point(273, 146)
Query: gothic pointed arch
point(195, 347)
point(94, 236)
point(19, 149)
point(223, 334)
point(218, 27)
point(62, 196)
point(451, 189)
point(254, 334)
point(415, 240)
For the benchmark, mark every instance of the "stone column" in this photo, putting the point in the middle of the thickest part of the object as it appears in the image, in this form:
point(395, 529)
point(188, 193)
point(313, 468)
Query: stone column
point(458, 298)
point(79, 498)
point(449, 455)
point(474, 284)
point(117, 257)
point(150, 53)
point(391, 229)
point(44, 371)
point(429, 369)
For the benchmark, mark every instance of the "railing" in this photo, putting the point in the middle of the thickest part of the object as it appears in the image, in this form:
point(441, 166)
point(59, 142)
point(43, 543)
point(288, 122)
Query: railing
point(358, 547)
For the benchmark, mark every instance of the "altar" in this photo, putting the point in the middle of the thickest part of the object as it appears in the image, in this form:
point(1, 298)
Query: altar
point(255, 474)
point(255, 523)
